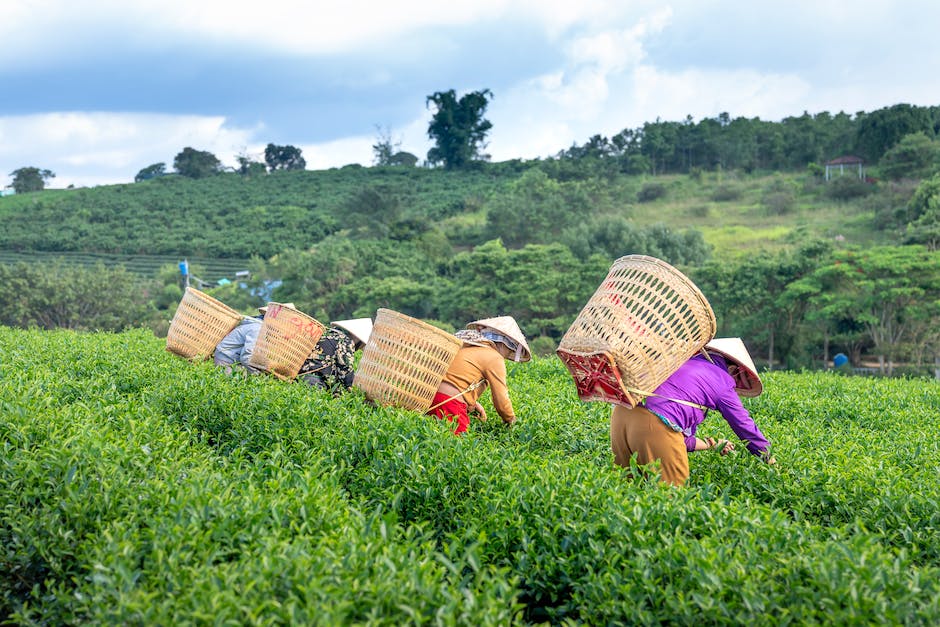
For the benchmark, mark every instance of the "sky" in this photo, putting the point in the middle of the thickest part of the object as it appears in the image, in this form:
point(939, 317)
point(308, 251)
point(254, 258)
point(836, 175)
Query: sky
point(96, 90)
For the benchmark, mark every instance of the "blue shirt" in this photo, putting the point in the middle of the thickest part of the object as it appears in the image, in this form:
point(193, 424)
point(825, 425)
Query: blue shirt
point(236, 347)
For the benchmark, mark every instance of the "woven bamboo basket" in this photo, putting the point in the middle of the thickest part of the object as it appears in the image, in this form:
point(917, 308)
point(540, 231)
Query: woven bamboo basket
point(285, 340)
point(643, 322)
point(404, 361)
point(199, 324)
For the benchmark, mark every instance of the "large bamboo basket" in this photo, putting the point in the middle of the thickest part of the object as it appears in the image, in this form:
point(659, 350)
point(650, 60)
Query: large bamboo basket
point(285, 340)
point(200, 322)
point(643, 322)
point(404, 361)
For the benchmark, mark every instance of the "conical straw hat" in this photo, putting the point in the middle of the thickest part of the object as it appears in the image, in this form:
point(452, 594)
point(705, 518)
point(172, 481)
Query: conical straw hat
point(264, 308)
point(508, 327)
point(734, 352)
point(359, 328)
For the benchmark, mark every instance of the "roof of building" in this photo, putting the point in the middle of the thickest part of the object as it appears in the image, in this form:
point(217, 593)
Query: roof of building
point(846, 160)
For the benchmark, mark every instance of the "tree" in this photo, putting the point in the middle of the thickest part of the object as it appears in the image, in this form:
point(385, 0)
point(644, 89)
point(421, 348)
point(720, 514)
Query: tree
point(151, 172)
point(30, 179)
point(196, 164)
point(541, 284)
point(916, 156)
point(384, 149)
point(249, 167)
point(923, 212)
point(893, 292)
point(283, 158)
point(372, 211)
point(458, 127)
point(403, 158)
point(61, 295)
point(750, 299)
point(388, 153)
point(880, 130)
point(533, 209)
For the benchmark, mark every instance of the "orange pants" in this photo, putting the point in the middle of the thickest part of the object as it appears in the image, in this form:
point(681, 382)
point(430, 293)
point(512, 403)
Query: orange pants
point(640, 431)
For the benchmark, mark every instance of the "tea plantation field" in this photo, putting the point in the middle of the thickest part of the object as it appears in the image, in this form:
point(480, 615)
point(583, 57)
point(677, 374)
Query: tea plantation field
point(137, 488)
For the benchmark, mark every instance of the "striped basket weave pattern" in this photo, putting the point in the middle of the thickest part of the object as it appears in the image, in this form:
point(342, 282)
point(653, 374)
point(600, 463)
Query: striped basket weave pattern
point(200, 322)
point(646, 319)
point(405, 361)
point(286, 338)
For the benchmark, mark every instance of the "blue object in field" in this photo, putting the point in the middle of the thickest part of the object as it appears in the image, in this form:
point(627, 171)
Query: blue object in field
point(184, 268)
point(840, 360)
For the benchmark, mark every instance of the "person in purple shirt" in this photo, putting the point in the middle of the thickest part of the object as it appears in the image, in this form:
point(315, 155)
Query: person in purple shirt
point(664, 428)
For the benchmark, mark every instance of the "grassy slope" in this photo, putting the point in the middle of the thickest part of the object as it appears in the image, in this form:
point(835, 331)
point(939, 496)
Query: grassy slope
point(744, 226)
point(737, 225)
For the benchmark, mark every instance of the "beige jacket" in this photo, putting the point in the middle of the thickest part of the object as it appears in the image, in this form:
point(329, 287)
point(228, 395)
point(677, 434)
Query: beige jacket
point(474, 363)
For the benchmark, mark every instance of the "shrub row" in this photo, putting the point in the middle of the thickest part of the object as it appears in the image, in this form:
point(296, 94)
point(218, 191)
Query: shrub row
point(141, 488)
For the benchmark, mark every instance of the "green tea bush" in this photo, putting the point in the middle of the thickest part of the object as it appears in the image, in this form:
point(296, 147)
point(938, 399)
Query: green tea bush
point(140, 488)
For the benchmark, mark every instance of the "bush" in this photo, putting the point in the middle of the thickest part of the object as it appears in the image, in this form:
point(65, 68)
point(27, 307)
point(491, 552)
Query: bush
point(848, 187)
point(650, 192)
point(889, 204)
point(726, 193)
point(779, 203)
point(700, 211)
point(56, 294)
point(139, 488)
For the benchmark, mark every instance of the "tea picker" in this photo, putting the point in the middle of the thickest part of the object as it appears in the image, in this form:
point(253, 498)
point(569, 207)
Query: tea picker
point(645, 343)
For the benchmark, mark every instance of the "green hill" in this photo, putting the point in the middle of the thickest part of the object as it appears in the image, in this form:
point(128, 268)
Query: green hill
point(530, 239)
point(230, 216)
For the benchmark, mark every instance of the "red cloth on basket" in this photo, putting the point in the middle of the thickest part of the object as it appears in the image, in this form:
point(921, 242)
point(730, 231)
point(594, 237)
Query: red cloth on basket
point(597, 378)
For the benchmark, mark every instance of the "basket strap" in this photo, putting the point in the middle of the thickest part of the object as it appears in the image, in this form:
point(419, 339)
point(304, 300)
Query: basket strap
point(706, 355)
point(471, 387)
point(674, 400)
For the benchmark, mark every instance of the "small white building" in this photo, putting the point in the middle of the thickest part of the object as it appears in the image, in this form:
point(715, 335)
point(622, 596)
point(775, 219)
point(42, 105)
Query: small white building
point(839, 165)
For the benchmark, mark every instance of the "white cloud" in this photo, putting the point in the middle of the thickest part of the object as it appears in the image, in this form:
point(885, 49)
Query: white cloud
point(673, 96)
point(743, 58)
point(612, 50)
point(36, 30)
point(550, 112)
point(111, 147)
point(338, 153)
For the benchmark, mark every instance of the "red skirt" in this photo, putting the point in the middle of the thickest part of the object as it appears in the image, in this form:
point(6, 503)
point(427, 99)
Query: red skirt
point(454, 408)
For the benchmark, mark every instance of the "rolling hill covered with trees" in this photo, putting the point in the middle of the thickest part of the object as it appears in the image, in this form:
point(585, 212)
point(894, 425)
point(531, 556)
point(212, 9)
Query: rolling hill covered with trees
point(800, 258)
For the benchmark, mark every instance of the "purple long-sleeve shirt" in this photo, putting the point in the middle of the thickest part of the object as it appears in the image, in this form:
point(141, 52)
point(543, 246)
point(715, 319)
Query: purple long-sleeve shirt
point(704, 383)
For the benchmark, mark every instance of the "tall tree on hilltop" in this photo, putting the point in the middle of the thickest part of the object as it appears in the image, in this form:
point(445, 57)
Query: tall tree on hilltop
point(284, 158)
point(152, 171)
point(196, 164)
point(458, 127)
point(384, 148)
point(30, 179)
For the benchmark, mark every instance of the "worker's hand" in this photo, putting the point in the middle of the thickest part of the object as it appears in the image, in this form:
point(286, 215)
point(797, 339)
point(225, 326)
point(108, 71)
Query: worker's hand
point(724, 446)
point(479, 411)
point(509, 422)
point(771, 461)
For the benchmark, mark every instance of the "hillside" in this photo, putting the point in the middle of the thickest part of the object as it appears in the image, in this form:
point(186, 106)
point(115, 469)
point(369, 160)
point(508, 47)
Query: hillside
point(230, 216)
point(529, 239)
